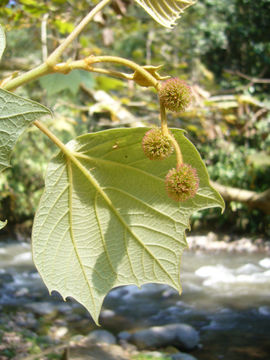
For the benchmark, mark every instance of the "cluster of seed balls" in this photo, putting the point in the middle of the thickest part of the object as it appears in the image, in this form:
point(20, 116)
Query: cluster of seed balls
point(182, 182)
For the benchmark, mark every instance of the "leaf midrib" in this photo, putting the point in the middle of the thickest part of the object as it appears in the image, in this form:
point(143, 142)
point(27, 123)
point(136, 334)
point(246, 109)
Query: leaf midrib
point(70, 192)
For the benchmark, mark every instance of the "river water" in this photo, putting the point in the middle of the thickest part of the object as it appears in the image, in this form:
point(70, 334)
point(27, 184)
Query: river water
point(226, 297)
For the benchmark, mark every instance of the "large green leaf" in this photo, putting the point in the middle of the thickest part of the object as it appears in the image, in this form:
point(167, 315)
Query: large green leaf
point(2, 41)
point(165, 12)
point(105, 219)
point(16, 114)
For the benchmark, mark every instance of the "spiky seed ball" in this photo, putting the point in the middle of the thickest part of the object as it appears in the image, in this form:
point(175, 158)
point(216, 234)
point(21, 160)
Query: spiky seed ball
point(156, 146)
point(182, 184)
point(175, 95)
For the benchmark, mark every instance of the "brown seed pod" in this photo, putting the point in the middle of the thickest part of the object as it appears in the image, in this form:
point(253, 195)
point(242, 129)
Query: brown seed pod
point(156, 146)
point(175, 95)
point(182, 184)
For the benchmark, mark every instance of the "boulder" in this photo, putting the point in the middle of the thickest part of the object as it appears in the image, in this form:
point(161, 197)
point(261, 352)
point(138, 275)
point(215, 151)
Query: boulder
point(100, 336)
point(98, 352)
point(182, 336)
point(42, 308)
point(182, 356)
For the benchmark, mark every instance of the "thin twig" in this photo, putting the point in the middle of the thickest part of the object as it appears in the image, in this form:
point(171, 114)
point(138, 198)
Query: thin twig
point(47, 351)
point(54, 57)
point(44, 46)
point(252, 79)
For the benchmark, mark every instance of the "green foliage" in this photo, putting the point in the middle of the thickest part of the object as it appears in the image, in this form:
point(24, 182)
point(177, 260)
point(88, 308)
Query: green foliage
point(56, 83)
point(149, 357)
point(105, 219)
point(103, 83)
point(233, 165)
point(16, 115)
point(236, 36)
point(21, 185)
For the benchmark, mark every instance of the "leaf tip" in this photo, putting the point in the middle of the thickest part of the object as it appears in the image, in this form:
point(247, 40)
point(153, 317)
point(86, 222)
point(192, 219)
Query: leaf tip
point(3, 224)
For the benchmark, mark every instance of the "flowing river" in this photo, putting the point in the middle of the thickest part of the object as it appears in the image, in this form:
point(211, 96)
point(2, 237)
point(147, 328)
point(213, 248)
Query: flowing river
point(226, 297)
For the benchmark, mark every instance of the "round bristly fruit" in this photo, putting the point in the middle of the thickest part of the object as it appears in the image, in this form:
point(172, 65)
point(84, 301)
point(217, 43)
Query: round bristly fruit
point(156, 146)
point(175, 95)
point(182, 183)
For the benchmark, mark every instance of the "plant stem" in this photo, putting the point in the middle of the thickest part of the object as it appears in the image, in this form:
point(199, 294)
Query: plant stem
point(64, 68)
point(54, 57)
point(125, 62)
point(33, 74)
point(178, 153)
point(52, 137)
point(166, 132)
point(163, 119)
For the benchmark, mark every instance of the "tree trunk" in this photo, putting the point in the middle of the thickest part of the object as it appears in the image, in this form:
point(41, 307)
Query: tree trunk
point(251, 198)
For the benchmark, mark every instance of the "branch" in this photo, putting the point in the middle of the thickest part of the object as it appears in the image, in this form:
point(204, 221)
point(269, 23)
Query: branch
point(86, 64)
point(65, 68)
point(251, 198)
point(50, 350)
point(253, 80)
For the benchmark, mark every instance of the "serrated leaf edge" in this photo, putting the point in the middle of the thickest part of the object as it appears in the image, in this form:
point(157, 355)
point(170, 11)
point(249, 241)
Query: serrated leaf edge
point(42, 111)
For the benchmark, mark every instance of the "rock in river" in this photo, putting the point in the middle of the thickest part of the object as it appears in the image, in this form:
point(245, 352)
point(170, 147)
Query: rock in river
point(182, 356)
point(100, 336)
point(181, 336)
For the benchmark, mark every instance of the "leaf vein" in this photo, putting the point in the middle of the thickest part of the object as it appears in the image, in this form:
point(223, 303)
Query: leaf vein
point(102, 237)
point(145, 204)
point(129, 259)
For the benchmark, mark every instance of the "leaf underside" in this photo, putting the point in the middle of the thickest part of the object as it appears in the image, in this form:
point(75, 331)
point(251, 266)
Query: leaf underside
point(165, 12)
point(16, 114)
point(105, 219)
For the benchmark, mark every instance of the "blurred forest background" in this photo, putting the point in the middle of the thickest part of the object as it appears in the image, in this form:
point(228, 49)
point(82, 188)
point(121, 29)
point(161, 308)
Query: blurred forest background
point(221, 48)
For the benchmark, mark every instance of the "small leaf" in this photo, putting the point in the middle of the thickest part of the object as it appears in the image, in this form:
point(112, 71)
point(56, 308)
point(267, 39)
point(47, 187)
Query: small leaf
point(55, 83)
point(16, 114)
point(2, 41)
point(105, 219)
point(2, 224)
point(140, 80)
point(107, 84)
point(165, 12)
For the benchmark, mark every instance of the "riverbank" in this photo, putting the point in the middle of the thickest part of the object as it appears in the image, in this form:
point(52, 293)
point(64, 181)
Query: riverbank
point(214, 242)
point(209, 241)
point(224, 307)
